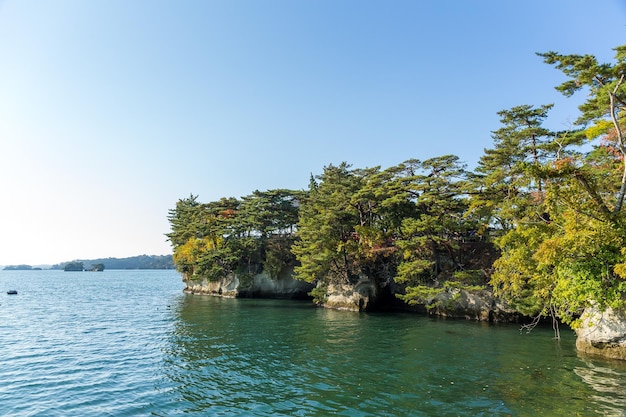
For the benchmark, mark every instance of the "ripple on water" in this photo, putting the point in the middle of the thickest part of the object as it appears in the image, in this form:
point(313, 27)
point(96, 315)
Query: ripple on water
point(155, 351)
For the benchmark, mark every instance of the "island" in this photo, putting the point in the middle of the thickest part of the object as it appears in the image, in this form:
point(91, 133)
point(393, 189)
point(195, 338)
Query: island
point(537, 231)
point(133, 262)
point(19, 268)
point(74, 267)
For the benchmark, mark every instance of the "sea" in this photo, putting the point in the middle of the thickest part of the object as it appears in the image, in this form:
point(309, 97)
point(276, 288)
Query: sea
point(131, 343)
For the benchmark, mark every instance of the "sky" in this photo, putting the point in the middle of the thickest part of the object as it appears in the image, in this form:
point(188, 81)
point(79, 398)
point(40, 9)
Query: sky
point(113, 110)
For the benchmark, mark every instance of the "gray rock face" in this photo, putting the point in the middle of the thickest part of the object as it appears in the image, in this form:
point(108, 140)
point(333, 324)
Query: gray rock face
point(602, 333)
point(472, 305)
point(452, 303)
point(361, 296)
point(261, 286)
point(225, 287)
point(355, 297)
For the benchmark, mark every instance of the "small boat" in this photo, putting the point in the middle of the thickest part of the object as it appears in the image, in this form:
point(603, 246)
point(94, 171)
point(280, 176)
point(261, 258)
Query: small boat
point(12, 292)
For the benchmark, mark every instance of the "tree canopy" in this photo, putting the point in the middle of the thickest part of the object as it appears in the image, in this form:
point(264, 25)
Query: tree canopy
point(245, 236)
point(572, 256)
point(550, 201)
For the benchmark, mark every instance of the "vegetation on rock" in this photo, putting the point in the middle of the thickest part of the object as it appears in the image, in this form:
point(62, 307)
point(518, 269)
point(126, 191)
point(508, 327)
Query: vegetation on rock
point(540, 220)
point(235, 236)
point(565, 250)
point(74, 266)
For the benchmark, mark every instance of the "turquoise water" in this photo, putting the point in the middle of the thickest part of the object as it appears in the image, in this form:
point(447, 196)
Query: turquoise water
point(130, 343)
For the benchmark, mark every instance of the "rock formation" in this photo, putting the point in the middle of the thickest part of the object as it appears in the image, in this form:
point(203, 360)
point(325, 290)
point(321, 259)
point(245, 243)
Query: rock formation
point(260, 285)
point(602, 333)
point(479, 305)
point(452, 303)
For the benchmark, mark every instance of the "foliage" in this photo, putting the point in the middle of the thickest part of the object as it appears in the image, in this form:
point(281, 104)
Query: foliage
point(328, 242)
point(278, 255)
point(470, 277)
point(97, 267)
point(319, 294)
point(243, 236)
point(552, 202)
point(429, 239)
point(183, 220)
point(421, 294)
point(429, 296)
point(74, 266)
point(506, 183)
point(403, 224)
point(566, 250)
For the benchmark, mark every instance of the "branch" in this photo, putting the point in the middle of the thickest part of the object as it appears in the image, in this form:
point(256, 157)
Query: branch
point(530, 326)
point(579, 211)
point(613, 96)
point(555, 322)
point(620, 144)
point(593, 194)
point(598, 79)
point(619, 82)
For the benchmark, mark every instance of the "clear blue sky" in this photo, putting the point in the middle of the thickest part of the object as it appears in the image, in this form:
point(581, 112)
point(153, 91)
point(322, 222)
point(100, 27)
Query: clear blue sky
point(112, 110)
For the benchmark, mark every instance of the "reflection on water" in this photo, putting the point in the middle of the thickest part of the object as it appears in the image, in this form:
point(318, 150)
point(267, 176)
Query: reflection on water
point(609, 384)
point(262, 357)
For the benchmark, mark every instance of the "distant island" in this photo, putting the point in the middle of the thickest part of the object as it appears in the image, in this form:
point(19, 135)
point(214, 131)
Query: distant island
point(21, 268)
point(134, 262)
point(79, 266)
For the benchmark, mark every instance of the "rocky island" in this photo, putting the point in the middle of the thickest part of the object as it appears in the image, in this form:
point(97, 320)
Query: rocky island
point(537, 230)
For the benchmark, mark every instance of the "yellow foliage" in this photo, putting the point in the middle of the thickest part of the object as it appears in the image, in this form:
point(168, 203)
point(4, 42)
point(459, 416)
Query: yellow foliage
point(600, 128)
point(620, 268)
point(192, 249)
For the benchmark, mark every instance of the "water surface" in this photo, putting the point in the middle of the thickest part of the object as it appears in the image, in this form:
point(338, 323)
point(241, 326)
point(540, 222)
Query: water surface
point(130, 343)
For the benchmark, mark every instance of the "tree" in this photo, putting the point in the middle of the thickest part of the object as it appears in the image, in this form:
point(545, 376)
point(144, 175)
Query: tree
point(232, 236)
point(572, 257)
point(183, 220)
point(405, 223)
point(430, 239)
point(506, 183)
point(97, 267)
point(74, 266)
point(326, 224)
point(198, 236)
point(604, 107)
point(272, 212)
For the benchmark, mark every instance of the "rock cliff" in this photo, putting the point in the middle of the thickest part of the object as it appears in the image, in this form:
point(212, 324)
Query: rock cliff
point(365, 295)
point(479, 305)
point(260, 285)
point(451, 303)
point(361, 296)
point(602, 333)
